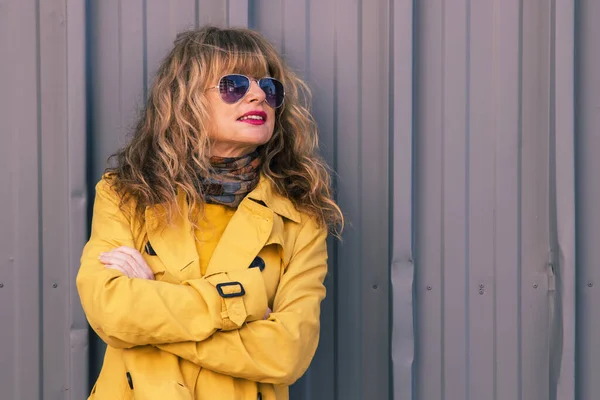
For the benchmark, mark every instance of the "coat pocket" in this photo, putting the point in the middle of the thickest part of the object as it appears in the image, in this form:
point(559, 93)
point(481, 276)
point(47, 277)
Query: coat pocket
point(153, 374)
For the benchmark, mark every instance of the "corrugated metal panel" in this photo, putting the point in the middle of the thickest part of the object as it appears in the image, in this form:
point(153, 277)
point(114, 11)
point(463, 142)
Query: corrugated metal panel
point(563, 308)
point(588, 198)
point(494, 222)
point(402, 200)
point(43, 330)
point(20, 289)
point(482, 191)
point(451, 124)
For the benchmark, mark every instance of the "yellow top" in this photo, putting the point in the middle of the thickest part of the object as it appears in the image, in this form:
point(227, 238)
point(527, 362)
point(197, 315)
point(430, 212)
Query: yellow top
point(210, 229)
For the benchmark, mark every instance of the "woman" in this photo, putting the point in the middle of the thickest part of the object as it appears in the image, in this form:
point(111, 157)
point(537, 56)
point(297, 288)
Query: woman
point(204, 271)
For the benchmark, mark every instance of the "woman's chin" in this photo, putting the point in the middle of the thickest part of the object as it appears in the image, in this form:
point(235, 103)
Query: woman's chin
point(254, 138)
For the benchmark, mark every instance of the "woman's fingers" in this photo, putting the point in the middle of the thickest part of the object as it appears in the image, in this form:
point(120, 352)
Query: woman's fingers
point(129, 260)
point(111, 266)
point(268, 312)
point(144, 269)
point(115, 259)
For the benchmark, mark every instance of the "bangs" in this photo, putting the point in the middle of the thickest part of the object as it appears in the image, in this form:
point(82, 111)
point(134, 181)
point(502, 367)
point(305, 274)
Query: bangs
point(239, 53)
point(250, 64)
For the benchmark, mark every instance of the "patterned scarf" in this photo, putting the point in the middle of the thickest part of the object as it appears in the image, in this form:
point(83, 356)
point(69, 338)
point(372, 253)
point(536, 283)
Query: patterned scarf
point(232, 179)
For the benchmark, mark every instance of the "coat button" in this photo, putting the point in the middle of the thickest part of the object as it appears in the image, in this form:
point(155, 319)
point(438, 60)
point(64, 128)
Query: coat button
point(258, 263)
point(259, 396)
point(129, 380)
point(149, 249)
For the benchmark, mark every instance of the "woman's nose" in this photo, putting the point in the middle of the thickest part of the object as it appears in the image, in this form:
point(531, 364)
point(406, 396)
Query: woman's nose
point(255, 93)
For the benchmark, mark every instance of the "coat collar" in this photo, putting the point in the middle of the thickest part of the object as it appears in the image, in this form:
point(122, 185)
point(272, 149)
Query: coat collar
point(265, 192)
point(256, 223)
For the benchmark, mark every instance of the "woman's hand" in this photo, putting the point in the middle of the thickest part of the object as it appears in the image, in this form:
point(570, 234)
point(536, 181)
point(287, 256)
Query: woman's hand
point(127, 260)
point(269, 311)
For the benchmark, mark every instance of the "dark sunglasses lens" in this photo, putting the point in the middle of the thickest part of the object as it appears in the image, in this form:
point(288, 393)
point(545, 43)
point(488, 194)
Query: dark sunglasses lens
point(273, 90)
point(233, 87)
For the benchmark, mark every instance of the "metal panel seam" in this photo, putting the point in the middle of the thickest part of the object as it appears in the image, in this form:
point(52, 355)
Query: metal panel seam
point(564, 87)
point(401, 161)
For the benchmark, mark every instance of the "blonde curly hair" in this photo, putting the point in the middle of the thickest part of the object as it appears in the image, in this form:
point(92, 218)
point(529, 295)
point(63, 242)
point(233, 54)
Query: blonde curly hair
point(170, 146)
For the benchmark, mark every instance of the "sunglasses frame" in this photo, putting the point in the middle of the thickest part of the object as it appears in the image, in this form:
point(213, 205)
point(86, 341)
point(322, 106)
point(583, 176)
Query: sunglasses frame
point(218, 87)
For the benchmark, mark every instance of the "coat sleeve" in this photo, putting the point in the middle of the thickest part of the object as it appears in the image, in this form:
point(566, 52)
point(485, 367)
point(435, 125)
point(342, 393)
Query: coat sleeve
point(280, 349)
point(128, 312)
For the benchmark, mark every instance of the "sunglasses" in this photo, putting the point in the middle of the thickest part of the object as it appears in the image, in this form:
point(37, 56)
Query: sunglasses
point(234, 87)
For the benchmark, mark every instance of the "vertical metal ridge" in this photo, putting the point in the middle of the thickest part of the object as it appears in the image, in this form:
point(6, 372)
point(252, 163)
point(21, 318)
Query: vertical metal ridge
point(196, 14)
point(413, 184)
point(467, 198)
point(69, 244)
point(282, 30)
point(552, 237)
point(391, 186)
point(565, 199)
point(335, 100)
point(495, 214)
point(416, 97)
point(360, 169)
point(519, 203)
point(145, 49)
point(227, 11)
point(401, 182)
point(77, 331)
point(552, 240)
point(307, 75)
point(40, 197)
point(120, 62)
point(248, 12)
point(441, 204)
point(335, 166)
point(577, 124)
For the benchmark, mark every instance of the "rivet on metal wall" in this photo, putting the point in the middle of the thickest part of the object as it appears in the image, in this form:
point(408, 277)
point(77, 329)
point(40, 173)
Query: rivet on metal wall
point(535, 285)
point(481, 286)
point(11, 259)
point(481, 292)
point(429, 287)
point(55, 285)
point(590, 284)
point(375, 286)
point(1, 285)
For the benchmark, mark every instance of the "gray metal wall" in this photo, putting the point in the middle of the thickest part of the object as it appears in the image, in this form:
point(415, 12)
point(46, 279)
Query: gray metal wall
point(464, 135)
point(494, 100)
point(587, 139)
point(43, 332)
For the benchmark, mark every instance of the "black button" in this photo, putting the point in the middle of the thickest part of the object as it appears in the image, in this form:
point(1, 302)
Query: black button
point(149, 249)
point(259, 396)
point(129, 380)
point(258, 263)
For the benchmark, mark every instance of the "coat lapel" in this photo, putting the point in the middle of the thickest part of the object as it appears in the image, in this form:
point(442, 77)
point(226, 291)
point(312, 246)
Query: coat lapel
point(252, 227)
point(174, 244)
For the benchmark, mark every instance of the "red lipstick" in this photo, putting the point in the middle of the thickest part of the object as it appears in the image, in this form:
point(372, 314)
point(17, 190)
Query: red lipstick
point(254, 117)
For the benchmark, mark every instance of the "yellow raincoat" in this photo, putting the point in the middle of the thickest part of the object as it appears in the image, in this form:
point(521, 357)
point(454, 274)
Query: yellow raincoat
point(187, 336)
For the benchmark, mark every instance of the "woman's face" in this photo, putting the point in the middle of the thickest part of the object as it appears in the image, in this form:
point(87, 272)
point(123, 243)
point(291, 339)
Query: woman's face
point(232, 133)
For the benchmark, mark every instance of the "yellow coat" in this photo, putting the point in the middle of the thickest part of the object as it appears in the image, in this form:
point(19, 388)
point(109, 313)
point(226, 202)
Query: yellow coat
point(177, 337)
